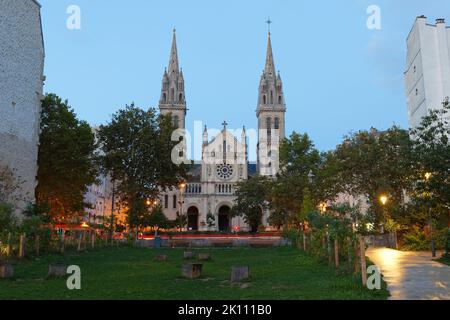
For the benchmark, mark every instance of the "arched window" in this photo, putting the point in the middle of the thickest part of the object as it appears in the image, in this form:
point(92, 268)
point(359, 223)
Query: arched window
point(172, 94)
point(277, 123)
point(264, 99)
point(280, 100)
point(271, 97)
point(174, 201)
point(176, 122)
point(269, 126)
point(164, 97)
point(166, 201)
point(180, 98)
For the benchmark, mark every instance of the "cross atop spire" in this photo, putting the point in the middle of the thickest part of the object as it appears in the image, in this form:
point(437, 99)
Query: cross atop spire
point(173, 63)
point(269, 22)
point(225, 124)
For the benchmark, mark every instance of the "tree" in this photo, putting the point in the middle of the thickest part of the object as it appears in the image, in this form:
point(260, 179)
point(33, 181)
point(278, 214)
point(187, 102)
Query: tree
point(373, 163)
point(66, 159)
point(157, 219)
point(299, 160)
point(431, 150)
point(137, 151)
point(251, 201)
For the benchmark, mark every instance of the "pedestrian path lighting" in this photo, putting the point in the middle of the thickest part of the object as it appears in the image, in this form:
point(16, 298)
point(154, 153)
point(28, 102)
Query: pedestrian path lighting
point(428, 176)
point(383, 200)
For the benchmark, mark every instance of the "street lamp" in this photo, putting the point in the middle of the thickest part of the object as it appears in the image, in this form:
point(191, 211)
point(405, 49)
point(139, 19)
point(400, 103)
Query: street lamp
point(428, 176)
point(182, 187)
point(384, 200)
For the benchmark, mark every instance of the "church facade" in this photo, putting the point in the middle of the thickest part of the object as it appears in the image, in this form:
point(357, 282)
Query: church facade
point(207, 198)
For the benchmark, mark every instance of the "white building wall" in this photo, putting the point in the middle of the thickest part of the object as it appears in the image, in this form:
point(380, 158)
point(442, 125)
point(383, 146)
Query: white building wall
point(427, 76)
point(21, 88)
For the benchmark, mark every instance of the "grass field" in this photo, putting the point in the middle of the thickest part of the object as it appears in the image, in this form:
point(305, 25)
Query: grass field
point(131, 273)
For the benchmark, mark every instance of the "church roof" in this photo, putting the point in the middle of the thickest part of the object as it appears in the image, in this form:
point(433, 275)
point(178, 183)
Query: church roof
point(269, 69)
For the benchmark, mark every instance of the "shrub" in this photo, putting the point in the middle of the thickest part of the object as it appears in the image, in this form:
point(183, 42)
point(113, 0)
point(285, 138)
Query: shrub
point(7, 219)
point(293, 236)
point(418, 240)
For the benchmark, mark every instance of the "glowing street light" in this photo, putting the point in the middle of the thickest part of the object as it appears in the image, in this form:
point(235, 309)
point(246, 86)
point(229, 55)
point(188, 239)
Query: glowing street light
point(428, 176)
point(84, 225)
point(384, 200)
point(323, 207)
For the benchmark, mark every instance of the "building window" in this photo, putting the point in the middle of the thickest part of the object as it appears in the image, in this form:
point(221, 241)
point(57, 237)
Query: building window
point(164, 97)
point(172, 94)
point(269, 126)
point(277, 123)
point(280, 100)
point(264, 99)
point(180, 99)
point(176, 122)
point(174, 201)
point(166, 201)
point(271, 97)
point(417, 91)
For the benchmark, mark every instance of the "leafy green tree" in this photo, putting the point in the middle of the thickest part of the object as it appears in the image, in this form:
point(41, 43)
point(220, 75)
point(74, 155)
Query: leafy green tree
point(373, 163)
point(278, 219)
point(431, 150)
point(157, 219)
point(7, 219)
point(299, 163)
point(137, 151)
point(67, 161)
point(251, 201)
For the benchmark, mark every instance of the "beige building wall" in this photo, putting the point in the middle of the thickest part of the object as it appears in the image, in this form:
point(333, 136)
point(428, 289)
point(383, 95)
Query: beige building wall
point(21, 89)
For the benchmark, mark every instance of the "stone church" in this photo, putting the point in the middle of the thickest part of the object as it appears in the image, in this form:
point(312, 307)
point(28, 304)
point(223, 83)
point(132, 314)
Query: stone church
point(208, 196)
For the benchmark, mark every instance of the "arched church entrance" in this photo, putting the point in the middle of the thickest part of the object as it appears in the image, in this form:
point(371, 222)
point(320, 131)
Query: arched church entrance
point(192, 215)
point(225, 218)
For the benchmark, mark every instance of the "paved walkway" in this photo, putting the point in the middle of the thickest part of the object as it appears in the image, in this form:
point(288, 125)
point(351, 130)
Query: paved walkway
point(412, 275)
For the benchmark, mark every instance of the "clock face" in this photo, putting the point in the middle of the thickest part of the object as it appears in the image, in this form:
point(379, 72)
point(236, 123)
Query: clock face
point(224, 171)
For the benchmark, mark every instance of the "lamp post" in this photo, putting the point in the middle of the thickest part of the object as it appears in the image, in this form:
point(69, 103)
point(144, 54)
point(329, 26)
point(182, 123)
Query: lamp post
point(383, 199)
point(182, 187)
point(428, 176)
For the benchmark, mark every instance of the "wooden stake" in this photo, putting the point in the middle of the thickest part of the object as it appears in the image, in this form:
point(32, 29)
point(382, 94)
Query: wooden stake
point(22, 246)
point(349, 252)
point(36, 245)
point(8, 246)
point(80, 238)
point(93, 240)
point(362, 246)
point(63, 244)
point(336, 252)
point(330, 259)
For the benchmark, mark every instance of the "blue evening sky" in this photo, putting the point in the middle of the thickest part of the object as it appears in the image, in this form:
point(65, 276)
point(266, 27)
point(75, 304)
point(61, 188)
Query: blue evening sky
point(338, 75)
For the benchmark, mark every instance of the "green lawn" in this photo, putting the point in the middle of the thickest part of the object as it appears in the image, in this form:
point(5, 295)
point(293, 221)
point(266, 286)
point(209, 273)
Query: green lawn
point(131, 273)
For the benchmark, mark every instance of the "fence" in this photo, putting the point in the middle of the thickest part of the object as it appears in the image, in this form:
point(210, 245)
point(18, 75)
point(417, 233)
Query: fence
point(20, 246)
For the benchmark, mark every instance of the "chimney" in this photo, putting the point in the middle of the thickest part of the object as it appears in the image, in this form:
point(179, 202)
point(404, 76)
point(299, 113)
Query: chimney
point(440, 21)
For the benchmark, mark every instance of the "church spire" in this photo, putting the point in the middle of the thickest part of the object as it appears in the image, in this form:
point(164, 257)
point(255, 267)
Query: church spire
point(173, 63)
point(173, 100)
point(269, 69)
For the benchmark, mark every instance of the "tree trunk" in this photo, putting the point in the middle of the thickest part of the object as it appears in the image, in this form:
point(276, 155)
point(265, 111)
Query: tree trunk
point(363, 260)
point(36, 245)
point(336, 252)
point(22, 246)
